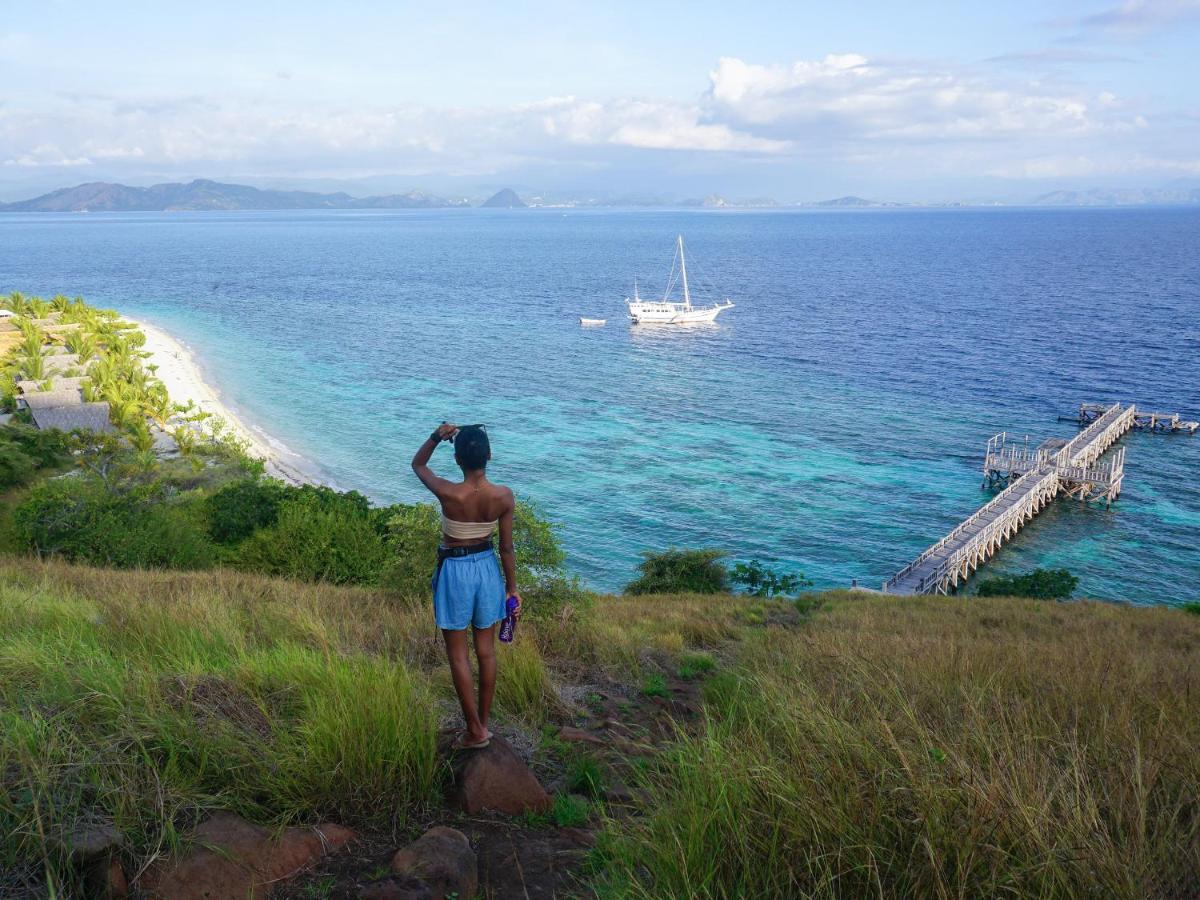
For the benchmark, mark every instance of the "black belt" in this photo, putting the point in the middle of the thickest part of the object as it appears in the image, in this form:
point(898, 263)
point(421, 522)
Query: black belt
point(454, 552)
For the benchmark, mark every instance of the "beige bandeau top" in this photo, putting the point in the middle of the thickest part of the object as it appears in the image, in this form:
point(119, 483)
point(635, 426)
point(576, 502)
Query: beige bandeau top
point(466, 531)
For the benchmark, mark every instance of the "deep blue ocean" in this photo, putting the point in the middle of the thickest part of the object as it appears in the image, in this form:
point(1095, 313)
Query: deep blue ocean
point(832, 423)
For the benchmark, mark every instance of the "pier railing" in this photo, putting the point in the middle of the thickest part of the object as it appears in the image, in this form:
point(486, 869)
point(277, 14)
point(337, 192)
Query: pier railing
point(1036, 476)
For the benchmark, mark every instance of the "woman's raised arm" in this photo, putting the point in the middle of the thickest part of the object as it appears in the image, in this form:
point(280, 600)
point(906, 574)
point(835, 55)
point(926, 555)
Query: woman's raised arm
point(420, 460)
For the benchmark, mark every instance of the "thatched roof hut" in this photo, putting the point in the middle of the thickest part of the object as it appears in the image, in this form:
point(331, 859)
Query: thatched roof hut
point(57, 383)
point(51, 399)
point(87, 416)
point(61, 363)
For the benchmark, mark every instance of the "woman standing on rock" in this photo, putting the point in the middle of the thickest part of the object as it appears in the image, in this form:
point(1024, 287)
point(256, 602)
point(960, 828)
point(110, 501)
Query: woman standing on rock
point(466, 585)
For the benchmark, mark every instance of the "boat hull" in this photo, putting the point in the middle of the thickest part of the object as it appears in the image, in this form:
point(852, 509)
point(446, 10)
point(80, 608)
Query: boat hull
point(674, 314)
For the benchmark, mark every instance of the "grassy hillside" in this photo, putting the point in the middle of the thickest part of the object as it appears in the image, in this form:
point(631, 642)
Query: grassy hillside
point(851, 745)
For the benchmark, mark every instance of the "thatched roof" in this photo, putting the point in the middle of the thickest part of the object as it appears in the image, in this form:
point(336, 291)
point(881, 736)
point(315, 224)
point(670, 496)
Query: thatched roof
point(62, 363)
point(57, 383)
point(88, 416)
point(52, 399)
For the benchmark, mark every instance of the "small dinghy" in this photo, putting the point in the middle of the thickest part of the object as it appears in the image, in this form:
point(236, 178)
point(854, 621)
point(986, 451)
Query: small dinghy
point(586, 322)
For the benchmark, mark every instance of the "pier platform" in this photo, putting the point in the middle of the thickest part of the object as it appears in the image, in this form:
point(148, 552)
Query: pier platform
point(1030, 478)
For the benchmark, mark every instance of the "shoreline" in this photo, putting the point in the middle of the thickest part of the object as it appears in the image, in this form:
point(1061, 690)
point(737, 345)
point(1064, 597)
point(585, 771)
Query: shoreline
point(178, 371)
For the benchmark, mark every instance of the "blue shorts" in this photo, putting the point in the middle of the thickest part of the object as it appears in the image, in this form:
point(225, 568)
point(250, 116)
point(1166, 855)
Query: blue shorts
point(468, 590)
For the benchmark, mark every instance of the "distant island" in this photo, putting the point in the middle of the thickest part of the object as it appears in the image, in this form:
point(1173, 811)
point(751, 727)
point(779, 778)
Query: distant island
point(505, 199)
point(1121, 197)
point(205, 194)
point(202, 194)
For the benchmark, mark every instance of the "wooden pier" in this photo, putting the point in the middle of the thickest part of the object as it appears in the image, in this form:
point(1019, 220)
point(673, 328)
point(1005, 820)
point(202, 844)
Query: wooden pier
point(1031, 477)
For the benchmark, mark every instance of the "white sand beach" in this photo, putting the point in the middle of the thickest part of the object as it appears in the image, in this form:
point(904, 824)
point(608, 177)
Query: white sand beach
point(184, 382)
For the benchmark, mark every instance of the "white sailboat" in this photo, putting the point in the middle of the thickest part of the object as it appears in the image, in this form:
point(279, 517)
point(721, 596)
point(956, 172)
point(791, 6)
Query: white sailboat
point(669, 312)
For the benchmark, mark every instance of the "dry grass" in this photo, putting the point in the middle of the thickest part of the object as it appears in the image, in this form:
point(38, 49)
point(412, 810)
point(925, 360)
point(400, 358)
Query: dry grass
point(928, 747)
point(887, 747)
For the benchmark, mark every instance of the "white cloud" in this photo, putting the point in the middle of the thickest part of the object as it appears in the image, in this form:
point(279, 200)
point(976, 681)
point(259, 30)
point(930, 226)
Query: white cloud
point(646, 124)
point(849, 97)
point(45, 155)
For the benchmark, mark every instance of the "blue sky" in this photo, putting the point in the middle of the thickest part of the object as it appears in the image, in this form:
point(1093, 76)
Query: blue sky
point(792, 100)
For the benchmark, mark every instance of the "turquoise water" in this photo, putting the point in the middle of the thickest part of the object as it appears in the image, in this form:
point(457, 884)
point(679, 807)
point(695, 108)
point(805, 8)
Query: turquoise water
point(833, 422)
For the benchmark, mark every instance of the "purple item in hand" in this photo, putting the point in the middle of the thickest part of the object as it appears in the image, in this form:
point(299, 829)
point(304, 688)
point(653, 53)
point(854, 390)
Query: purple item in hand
point(509, 626)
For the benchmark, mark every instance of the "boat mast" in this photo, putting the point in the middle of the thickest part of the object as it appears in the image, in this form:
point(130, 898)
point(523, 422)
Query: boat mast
point(687, 298)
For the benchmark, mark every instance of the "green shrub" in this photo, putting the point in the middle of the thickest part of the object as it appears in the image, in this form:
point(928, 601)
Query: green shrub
point(80, 518)
point(238, 509)
point(1042, 584)
point(681, 572)
point(1192, 607)
point(24, 449)
point(311, 543)
point(761, 581)
point(15, 465)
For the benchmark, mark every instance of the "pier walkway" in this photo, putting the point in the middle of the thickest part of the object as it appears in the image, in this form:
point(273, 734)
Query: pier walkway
point(1035, 477)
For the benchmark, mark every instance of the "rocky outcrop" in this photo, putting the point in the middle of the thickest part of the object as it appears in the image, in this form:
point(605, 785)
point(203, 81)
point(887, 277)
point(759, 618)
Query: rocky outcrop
point(443, 859)
point(232, 858)
point(496, 778)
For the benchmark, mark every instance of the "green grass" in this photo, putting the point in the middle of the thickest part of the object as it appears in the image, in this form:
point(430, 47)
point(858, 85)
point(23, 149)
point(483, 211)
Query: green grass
point(525, 690)
point(566, 811)
point(147, 706)
point(585, 775)
point(655, 685)
point(693, 665)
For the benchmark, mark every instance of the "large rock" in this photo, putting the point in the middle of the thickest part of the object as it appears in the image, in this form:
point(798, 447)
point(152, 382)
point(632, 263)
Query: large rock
point(444, 860)
point(232, 858)
point(496, 778)
point(94, 847)
point(92, 841)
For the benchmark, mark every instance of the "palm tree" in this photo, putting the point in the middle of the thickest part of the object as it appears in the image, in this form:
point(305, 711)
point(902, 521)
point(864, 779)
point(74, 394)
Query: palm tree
point(158, 405)
point(33, 366)
point(123, 413)
point(185, 439)
point(38, 308)
point(140, 436)
point(59, 303)
point(81, 344)
point(31, 343)
point(16, 303)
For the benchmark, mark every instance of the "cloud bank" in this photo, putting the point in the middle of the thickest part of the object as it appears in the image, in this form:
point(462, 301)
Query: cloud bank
point(845, 112)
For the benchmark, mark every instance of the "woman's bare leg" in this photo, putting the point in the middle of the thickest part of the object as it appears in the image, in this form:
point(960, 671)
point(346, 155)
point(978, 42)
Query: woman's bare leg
point(460, 673)
point(485, 652)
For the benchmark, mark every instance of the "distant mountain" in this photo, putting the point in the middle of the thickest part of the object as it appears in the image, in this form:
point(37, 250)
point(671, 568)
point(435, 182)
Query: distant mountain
point(505, 199)
point(851, 203)
point(1120, 197)
point(202, 194)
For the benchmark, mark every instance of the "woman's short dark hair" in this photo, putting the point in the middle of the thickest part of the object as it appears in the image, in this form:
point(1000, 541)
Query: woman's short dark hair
point(472, 448)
